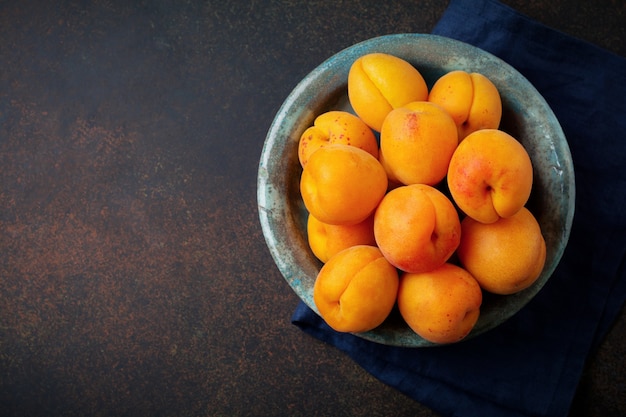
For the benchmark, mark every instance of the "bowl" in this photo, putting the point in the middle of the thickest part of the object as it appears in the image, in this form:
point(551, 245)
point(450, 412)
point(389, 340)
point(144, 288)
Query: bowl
point(526, 116)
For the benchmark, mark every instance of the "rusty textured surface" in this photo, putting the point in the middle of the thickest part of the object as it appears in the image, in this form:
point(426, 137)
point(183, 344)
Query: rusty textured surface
point(134, 278)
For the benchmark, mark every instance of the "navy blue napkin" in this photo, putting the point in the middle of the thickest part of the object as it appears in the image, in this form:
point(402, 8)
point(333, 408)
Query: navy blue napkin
point(532, 364)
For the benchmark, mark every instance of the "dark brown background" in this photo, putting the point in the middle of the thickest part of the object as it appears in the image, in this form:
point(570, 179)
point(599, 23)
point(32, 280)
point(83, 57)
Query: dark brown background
point(134, 278)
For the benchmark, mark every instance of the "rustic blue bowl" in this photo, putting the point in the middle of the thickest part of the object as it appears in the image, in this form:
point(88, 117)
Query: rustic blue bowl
point(526, 116)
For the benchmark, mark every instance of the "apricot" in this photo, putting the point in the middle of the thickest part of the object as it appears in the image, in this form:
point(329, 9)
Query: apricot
point(379, 83)
point(342, 184)
point(356, 289)
point(417, 142)
point(442, 305)
point(336, 127)
point(326, 240)
point(416, 227)
point(471, 99)
point(490, 175)
point(506, 256)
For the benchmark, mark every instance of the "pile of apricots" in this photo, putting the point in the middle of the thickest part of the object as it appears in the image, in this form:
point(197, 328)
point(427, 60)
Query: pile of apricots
point(417, 199)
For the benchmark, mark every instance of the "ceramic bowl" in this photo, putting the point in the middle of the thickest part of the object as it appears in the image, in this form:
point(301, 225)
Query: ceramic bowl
point(526, 116)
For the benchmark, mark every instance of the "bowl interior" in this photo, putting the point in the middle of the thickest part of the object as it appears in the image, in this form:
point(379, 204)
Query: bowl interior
point(526, 116)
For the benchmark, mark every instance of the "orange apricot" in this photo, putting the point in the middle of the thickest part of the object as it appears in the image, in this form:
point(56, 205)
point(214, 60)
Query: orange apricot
point(336, 127)
point(471, 99)
point(417, 142)
point(356, 289)
point(379, 83)
point(490, 175)
point(416, 227)
point(442, 305)
point(342, 184)
point(506, 256)
point(326, 240)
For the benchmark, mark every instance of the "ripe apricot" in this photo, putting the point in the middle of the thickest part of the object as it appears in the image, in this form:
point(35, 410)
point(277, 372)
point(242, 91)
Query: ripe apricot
point(356, 289)
point(490, 175)
point(416, 143)
point(441, 305)
point(472, 100)
point(336, 127)
point(326, 240)
point(416, 227)
point(506, 256)
point(342, 184)
point(379, 83)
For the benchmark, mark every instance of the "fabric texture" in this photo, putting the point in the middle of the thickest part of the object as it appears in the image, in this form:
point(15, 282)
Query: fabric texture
point(531, 365)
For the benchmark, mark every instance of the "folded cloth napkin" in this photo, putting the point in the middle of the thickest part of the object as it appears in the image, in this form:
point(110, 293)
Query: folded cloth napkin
point(531, 365)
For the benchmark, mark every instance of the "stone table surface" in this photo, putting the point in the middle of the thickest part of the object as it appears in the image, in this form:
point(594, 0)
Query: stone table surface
point(134, 277)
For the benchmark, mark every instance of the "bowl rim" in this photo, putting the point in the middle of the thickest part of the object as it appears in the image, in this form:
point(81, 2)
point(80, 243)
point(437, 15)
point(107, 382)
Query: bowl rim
point(324, 89)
